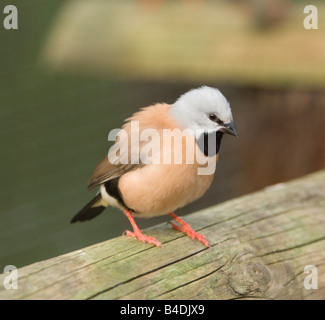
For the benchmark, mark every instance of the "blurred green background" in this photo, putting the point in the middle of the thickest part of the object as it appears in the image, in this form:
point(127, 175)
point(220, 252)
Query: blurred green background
point(73, 71)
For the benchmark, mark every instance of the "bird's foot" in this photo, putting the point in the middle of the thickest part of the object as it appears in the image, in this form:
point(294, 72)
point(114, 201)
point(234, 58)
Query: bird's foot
point(137, 232)
point(186, 228)
point(142, 237)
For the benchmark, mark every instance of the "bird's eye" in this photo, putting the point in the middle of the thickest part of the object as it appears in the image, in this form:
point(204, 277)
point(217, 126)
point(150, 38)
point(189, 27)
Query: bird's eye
point(213, 117)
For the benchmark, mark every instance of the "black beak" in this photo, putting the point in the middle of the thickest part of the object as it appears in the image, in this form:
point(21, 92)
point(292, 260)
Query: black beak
point(230, 128)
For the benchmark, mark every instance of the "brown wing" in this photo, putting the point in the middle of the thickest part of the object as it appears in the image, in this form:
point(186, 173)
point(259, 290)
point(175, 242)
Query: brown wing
point(121, 164)
point(106, 171)
point(117, 162)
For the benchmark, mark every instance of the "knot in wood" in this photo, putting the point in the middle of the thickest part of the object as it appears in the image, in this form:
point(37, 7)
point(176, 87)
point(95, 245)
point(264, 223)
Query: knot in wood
point(249, 277)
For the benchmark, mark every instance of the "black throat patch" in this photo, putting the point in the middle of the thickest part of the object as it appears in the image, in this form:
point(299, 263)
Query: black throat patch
point(209, 143)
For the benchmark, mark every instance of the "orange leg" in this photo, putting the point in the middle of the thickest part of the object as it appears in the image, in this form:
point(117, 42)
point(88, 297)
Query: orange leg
point(185, 227)
point(137, 233)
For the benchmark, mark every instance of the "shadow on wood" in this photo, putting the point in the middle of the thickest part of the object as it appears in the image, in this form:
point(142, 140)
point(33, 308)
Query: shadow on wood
point(260, 245)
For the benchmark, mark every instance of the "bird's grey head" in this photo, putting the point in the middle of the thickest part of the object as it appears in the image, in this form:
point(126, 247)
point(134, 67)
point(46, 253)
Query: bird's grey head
point(204, 108)
point(205, 111)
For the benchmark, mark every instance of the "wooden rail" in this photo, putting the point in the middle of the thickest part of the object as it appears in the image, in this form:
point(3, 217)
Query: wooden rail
point(214, 41)
point(260, 245)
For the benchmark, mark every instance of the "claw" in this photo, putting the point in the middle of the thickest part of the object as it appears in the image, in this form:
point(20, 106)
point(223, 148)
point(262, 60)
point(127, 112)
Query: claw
point(137, 233)
point(186, 228)
point(142, 237)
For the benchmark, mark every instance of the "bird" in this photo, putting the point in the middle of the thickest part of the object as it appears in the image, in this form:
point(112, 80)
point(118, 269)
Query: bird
point(142, 184)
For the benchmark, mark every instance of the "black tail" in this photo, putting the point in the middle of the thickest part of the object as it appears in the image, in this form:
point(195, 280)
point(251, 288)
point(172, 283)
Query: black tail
point(90, 211)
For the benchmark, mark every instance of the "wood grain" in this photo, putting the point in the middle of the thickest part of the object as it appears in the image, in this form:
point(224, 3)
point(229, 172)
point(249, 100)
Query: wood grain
point(260, 244)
